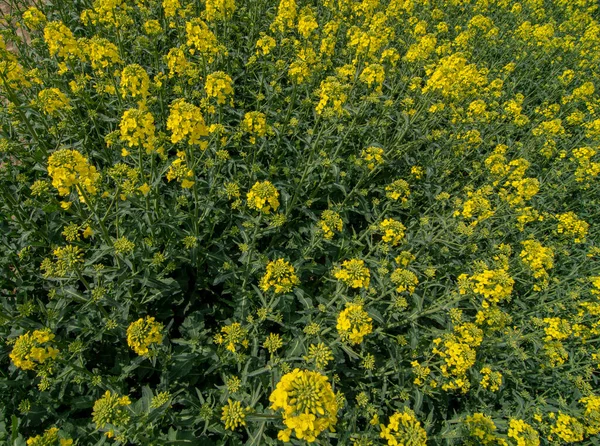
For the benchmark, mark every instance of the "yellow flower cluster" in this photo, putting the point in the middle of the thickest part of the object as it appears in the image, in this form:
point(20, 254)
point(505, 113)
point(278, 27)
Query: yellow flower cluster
point(101, 53)
point(398, 190)
point(353, 273)
point(29, 350)
point(320, 354)
point(219, 9)
point(50, 437)
point(255, 123)
point(33, 18)
point(280, 275)
point(482, 427)
point(201, 40)
point(491, 380)
point(234, 415)
point(477, 206)
point(373, 156)
point(354, 323)
point(405, 280)
point(591, 414)
point(308, 404)
point(523, 433)
point(232, 335)
point(180, 171)
point(186, 123)
point(108, 13)
point(568, 428)
point(60, 41)
point(332, 97)
point(219, 85)
point(373, 74)
point(330, 223)
point(68, 259)
point(171, 7)
point(557, 329)
point(135, 81)
point(494, 285)
point(265, 44)
point(454, 78)
point(52, 101)
point(286, 16)
point(69, 168)
point(177, 62)
point(111, 409)
point(586, 169)
point(458, 353)
point(539, 260)
point(263, 196)
point(393, 231)
point(142, 333)
point(572, 226)
point(404, 429)
point(137, 129)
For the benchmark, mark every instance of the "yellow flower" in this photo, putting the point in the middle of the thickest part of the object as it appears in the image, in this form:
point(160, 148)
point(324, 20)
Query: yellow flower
point(135, 81)
point(482, 427)
point(48, 438)
point(219, 85)
point(354, 323)
point(101, 53)
point(111, 409)
point(572, 226)
point(330, 222)
point(255, 123)
point(308, 404)
point(143, 333)
point(29, 350)
point(591, 414)
point(404, 429)
point(332, 97)
point(186, 123)
point(265, 44)
point(69, 168)
point(263, 196)
point(219, 9)
point(405, 280)
point(398, 190)
point(152, 27)
point(60, 41)
point(491, 380)
point(52, 100)
point(137, 129)
point(171, 7)
point(273, 342)
point(280, 275)
point(373, 156)
point(88, 232)
point(286, 15)
point(393, 231)
point(539, 260)
point(523, 433)
point(144, 189)
point(180, 171)
point(568, 428)
point(320, 354)
point(232, 336)
point(234, 415)
point(33, 17)
point(200, 39)
point(353, 273)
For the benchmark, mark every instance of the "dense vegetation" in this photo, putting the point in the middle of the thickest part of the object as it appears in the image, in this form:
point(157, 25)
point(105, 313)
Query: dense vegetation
point(337, 222)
